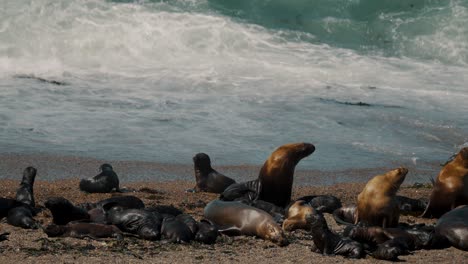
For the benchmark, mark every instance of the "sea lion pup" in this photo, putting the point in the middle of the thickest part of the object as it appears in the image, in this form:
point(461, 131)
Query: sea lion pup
point(207, 179)
point(277, 174)
point(322, 203)
point(25, 193)
point(82, 230)
point(346, 215)
point(104, 182)
point(248, 190)
point(6, 204)
point(63, 211)
point(329, 243)
point(145, 224)
point(207, 232)
point(235, 218)
point(176, 231)
point(452, 228)
point(391, 249)
point(297, 216)
point(410, 206)
point(376, 204)
point(451, 187)
point(22, 216)
point(188, 221)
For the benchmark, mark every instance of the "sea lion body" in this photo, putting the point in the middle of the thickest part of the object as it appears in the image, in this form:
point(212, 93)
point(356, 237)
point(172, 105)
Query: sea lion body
point(104, 182)
point(176, 231)
point(450, 188)
point(329, 243)
point(244, 190)
point(188, 220)
point(376, 204)
point(22, 216)
point(25, 193)
point(346, 215)
point(63, 211)
point(6, 204)
point(409, 206)
point(297, 216)
point(145, 224)
point(453, 226)
point(208, 179)
point(82, 230)
point(235, 218)
point(277, 174)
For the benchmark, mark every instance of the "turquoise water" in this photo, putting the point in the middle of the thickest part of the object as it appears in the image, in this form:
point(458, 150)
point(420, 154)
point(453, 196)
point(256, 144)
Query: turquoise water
point(370, 83)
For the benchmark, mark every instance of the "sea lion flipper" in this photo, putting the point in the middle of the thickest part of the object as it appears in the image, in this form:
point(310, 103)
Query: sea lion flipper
point(230, 231)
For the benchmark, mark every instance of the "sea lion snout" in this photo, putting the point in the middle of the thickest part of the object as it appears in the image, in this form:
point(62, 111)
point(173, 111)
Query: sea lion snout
point(308, 149)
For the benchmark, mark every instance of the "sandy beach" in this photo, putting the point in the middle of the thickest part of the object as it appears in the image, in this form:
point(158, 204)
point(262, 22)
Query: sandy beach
point(33, 246)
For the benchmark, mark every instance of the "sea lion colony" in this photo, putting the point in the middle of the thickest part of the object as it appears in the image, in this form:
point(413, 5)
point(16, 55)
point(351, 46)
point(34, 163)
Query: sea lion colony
point(263, 208)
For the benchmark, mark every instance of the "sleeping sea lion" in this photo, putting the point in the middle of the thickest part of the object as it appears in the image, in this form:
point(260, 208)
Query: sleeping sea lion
point(208, 179)
point(146, 225)
point(82, 230)
point(277, 174)
point(376, 204)
point(176, 231)
point(451, 187)
point(235, 218)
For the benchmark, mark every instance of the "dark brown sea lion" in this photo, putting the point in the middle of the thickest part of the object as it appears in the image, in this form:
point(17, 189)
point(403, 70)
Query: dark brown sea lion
point(376, 204)
point(188, 220)
point(63, 211)
point(25, 193)
point(277, 174)
point(22, 216)
point(453, 228)
point(207, 179)
point(409, 206)
point(329, 243)
point(146, 225)
point(235, 218)
point(82, 230)
point(297, 216)
point(4, 236)
point(104, 182)
point(207, 232)
point(451, 187)
point(6, 204)
point(346, 215)
point(322, 203)
point(176, 231)
point(244, 190)
point(391, 249)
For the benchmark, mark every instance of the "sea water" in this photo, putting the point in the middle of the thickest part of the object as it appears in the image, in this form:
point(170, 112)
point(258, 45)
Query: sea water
point(369, 83)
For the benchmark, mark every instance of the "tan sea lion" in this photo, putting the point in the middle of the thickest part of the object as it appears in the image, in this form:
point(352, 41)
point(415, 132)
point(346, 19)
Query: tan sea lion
point(376, 204)
point(451, 187)
point(207, 179)
point(236, 218)
point(277, 174)
point(297, 215)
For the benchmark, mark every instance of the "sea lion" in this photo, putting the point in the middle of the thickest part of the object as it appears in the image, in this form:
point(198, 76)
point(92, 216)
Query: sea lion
point(176, 231)
point(208, 179)
point(452, 228)
point(277, 174)
point(6, 204)
point(376, 204)
point(63, 211)
point(145, 224)
point(22, 216)
point(82, 230)
point(104, 182)
point(207, 232)
point(235, 218)
point(297, 215)
point(346, 215)
point(451, 187)
point(4, 236)
point(189, 222)
point(409, 206)
point(322, 203)
point(245, 190)
point(391, 249)
point(25, 193)
point(329, 243)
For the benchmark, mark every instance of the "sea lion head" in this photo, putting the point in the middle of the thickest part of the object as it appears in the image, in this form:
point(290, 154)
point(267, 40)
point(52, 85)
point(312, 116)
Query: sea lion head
point(317, 221)
point(207, 232)
point(29, 174)
point(462, 157)
point(298, 216)
point(397, 176)
point(54, 230)
point(296, 151)
point(202, 161)
point(274, 233)
point(106, 167)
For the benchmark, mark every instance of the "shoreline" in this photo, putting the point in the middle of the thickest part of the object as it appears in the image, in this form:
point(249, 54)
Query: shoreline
point(56, 167)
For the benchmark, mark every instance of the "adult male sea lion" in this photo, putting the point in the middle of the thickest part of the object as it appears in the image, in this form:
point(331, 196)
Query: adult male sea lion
point(235, 218)
point(82, 230)
point(452, 228)
point(329, 243)
point(207, 179)
point(277, 174)
point(451, 187)
point(25, 193)
point(104, 182)
point(376, 204)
